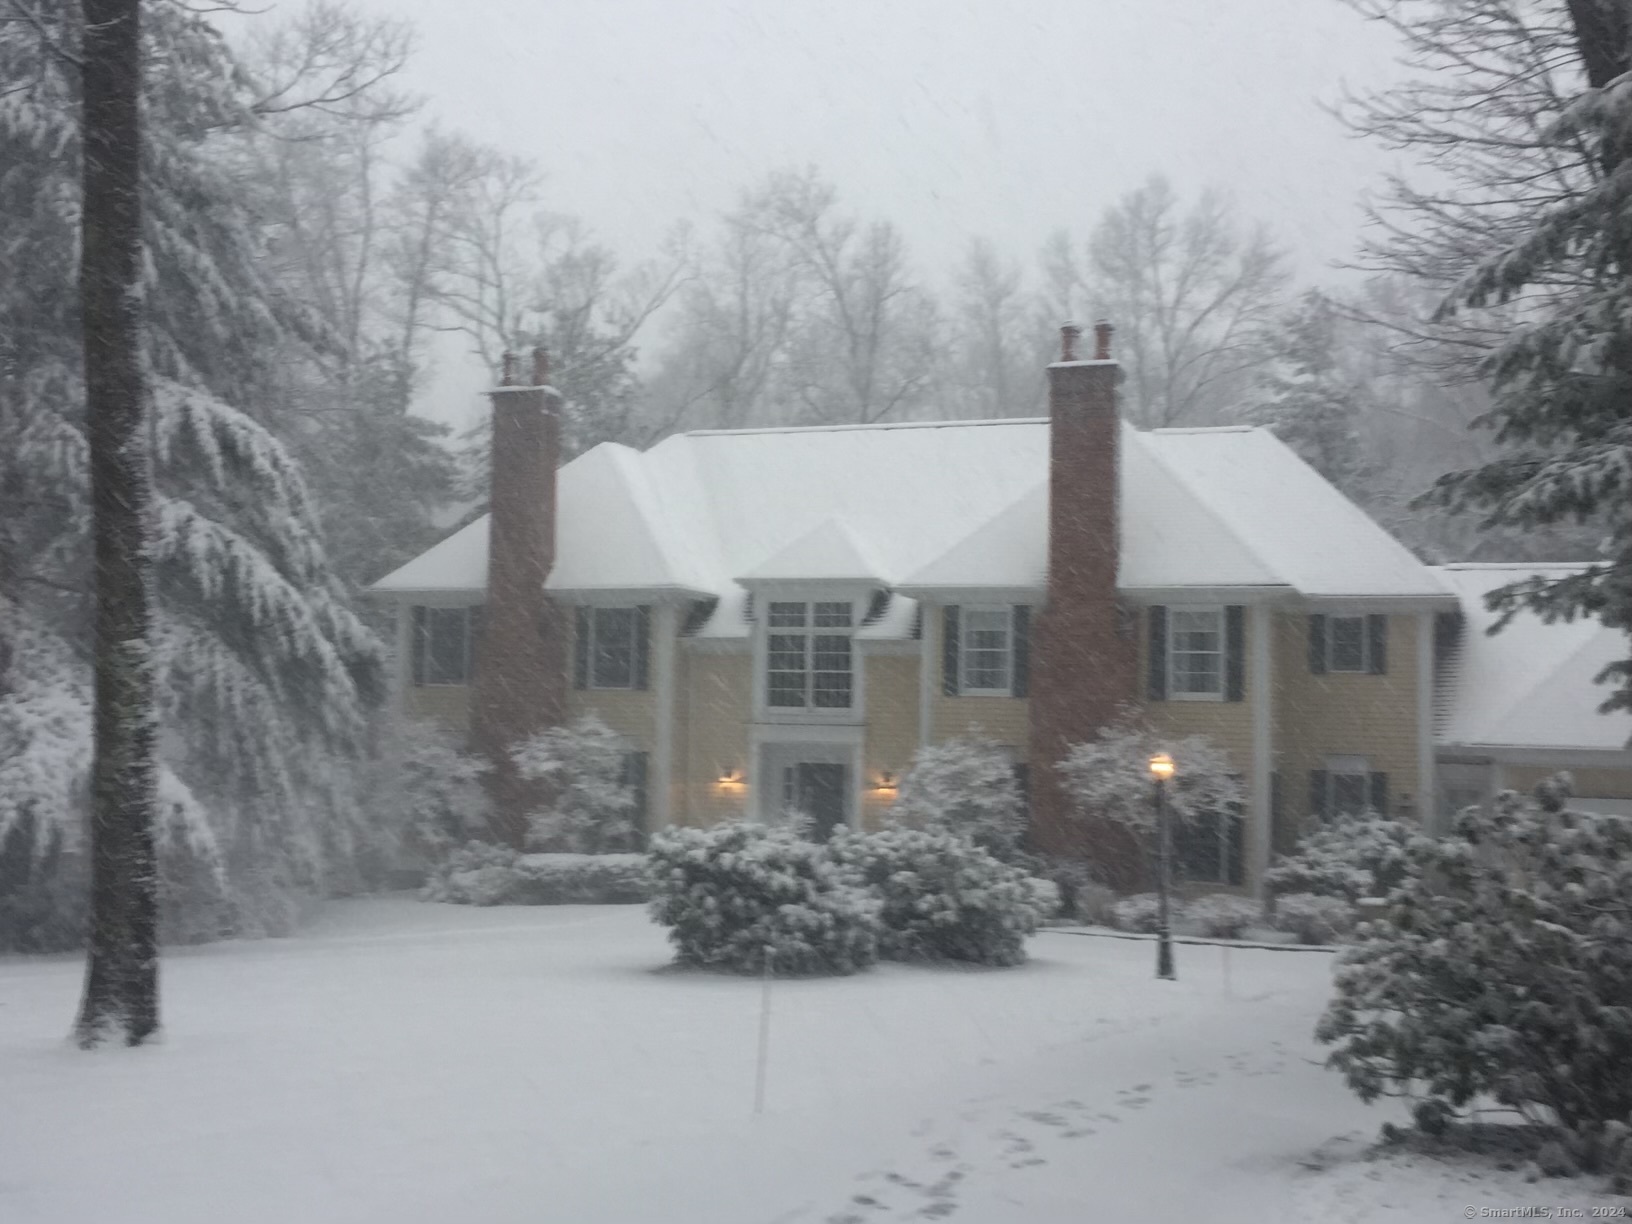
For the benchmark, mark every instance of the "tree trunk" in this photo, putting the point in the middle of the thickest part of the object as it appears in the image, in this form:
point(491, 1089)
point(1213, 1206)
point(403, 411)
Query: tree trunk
point(121, 979)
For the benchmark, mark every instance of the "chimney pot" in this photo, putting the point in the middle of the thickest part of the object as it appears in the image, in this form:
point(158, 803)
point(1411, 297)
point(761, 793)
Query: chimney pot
point(1070, 333)
point(1102, 340)
point(541, 367)
point(507, 370)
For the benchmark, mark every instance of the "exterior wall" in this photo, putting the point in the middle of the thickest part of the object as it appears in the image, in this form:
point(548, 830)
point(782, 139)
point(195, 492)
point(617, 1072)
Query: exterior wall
point(632, 713)
point(1590, 782)
point(448, 704)
point(1004, 719)
point(892, 729)
point(1344, 714)
point(711, 734)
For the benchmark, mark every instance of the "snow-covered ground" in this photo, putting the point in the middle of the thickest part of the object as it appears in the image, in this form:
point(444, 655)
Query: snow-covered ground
point(402, 1063)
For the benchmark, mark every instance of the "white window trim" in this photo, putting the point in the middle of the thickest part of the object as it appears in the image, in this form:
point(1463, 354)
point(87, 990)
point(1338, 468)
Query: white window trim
point(634, 649)
point(809, 631)
point(1217, 610)
point(1365, 645)
point(470, 648)
point(964, 650)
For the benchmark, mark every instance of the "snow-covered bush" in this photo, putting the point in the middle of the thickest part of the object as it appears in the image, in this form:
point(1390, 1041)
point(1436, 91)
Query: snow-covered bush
point(1142, 911)
point(1222, 916)
point(942, 897)
point(965, 786)
point(1083, 896)
point(423, 787)
point(1109, 779)
point(1314, 918)
point(482, 874)
point(1348, 856)
point(735, 893)
point(1500, 969)
point(591, 810)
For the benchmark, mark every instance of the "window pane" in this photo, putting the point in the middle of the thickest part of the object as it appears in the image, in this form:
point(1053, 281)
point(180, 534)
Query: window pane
point(830, 682)
point(833, 615)
point(831, 691)
point(447, 647)
point(986, 649)
point(1195, 650)
point(1346, 643)
point(1198, 845)
point(788, 615)
point(613, 658)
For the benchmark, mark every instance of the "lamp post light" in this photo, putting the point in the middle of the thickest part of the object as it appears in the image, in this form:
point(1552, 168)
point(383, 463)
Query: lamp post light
point(1161, 768)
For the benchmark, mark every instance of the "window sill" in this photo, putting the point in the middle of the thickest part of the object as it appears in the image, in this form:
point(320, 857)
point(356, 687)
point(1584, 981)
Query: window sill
point(984, 693)
point(1219, 697)
point(422, 684)
point(611, 688)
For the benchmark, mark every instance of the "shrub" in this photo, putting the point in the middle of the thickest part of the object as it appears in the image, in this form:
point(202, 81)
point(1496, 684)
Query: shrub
point(965, 786)
point(496, 875)
point(1313, 918)
point(942, 897)
point(1222, 916)
point(734, 893)
point(422, 788)
point(1083, 896)
point(592, 810)
point(1500, 968)
point(1347, 856)
point(1141, 912)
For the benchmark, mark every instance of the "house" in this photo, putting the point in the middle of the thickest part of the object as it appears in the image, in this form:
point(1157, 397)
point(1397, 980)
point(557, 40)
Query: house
point(777, 617)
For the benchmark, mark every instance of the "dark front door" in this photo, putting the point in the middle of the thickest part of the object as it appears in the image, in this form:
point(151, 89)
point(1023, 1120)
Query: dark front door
point(818, 792)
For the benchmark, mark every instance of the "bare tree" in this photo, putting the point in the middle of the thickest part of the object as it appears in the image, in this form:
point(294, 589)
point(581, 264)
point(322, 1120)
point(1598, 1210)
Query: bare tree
point(1191, 294)
point(121, 998)
point(862, 346)
point(995, 340)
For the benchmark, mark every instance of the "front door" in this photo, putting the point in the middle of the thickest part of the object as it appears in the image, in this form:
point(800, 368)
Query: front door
point(818, 792)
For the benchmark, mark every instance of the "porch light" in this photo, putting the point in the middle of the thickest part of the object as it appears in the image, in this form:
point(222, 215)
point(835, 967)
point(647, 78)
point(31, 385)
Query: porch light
point(1161, 767)
point(731, 776)
point(886, 783)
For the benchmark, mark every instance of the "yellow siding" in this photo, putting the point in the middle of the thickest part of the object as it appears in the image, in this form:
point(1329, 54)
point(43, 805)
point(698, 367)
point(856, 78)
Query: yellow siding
point(1590, 783)
point(1227, 723)
point(711, 734)
point(1004, 719)
point(631, 713)
point(892, 728)
point(448, 704)
point(1343, 714)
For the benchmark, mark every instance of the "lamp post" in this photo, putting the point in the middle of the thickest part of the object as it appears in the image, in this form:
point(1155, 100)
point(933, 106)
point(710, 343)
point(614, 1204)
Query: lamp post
point(1161, 768)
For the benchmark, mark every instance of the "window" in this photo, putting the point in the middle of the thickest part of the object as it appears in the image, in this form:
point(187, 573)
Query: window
point(1195, 653)
point(443, 645)
point(808, 656)
point(1346, 644)
point(987, 650)
point(1348, 786)
point(613, 638)
point(1209, 848)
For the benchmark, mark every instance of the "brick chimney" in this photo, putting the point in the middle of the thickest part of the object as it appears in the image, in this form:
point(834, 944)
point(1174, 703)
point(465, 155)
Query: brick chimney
point(1084, 667)
point(520, 681)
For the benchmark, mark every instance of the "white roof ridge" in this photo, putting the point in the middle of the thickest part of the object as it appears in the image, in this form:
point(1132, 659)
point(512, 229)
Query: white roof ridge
point(1223, 520)
point(1202, 429)
point(802, 429)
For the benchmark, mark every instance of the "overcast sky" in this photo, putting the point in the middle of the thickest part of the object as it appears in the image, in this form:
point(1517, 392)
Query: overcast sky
point(1003, 118)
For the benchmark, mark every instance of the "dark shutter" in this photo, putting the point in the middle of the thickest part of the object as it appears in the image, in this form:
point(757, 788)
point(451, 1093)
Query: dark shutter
point(1157, 660)
point(1020, 678)
point(1235, 846)
point(1022, 785)
point(1379, 793)
point(949, 650)
point(634, 777)
point(1317, 645)
point(1377, 641)
point(1317, 793)
point(416, 642)
point(580, 648)
point(1235, 647)
point(473, 639)
point(643, 646)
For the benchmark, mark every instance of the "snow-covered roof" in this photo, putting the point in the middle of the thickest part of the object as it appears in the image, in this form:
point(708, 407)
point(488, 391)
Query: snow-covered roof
point(1531, 685)
point(955, 506)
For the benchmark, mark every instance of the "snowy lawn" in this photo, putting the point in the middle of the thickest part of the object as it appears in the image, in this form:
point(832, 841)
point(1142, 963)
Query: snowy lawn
point(403, 1062)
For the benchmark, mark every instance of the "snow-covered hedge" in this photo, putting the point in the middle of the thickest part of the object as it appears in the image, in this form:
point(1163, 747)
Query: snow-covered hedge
point(1314, 919)
point(592, 810)
point(1141, 912)
point(482, 874)
point(1500, 969)
point(735, 893)
point(942, 897)
point(1222, 916)
point(1347, 856)
point(965, 786)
